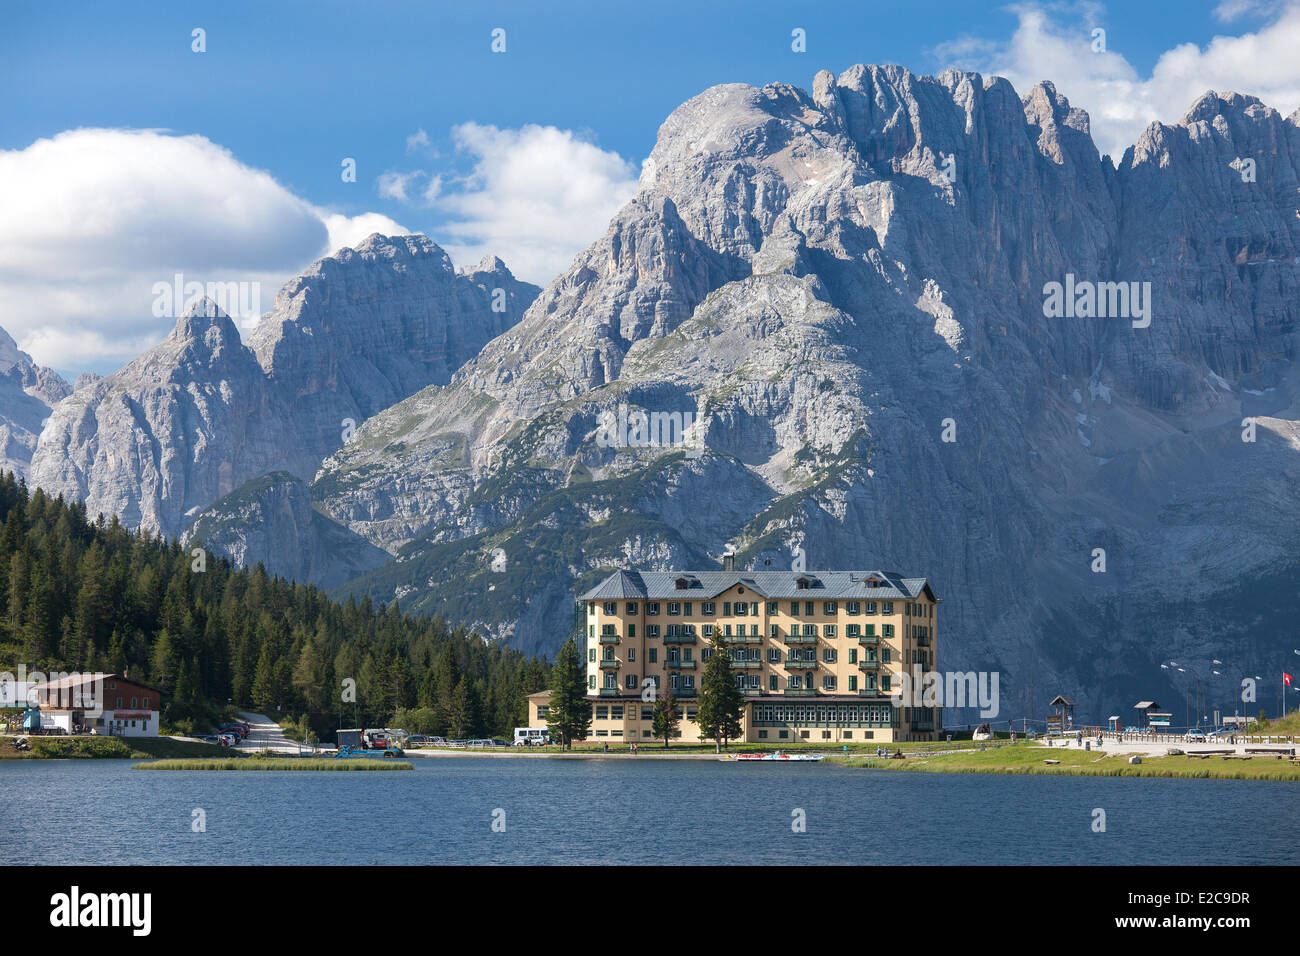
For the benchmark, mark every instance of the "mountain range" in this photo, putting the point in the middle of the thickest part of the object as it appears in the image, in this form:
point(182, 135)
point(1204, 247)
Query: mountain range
point(835, 307)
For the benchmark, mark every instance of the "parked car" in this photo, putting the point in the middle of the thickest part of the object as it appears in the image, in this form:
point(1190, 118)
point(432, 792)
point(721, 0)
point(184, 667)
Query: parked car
point(228, 740)
point(497, 742)
point(418, 740)
point(208, 738)
point(1194, 735)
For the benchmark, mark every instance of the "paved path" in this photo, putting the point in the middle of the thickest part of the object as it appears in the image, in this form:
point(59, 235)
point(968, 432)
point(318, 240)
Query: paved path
point(267, 735)
point(1154, 749)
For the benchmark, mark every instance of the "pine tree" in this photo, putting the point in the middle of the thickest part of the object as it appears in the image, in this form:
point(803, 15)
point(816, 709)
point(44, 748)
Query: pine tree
point(722, 705)
point(569, 713)
point(264, 681)
point(666, 716)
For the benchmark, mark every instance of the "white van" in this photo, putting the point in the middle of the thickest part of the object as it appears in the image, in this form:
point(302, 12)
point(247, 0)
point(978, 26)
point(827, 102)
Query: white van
point(532, 737)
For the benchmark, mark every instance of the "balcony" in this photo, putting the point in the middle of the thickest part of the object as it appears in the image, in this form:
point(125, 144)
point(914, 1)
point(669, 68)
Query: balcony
point(871, 692)
point(923, 642)
point(680, 639)
point(610, 692)
point(747, 665)
point(801, 662)
point(801, 639)
point(800, 692)
point(869, 665)
point(685, 691)
point(609, 638)
point(742, 638)
point(680, 665)
point(868, 640)
point(609, 665)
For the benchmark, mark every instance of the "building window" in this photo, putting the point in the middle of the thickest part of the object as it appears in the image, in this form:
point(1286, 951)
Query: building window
point(887, 630)
point(674, 609)
point(807, 608)
point(591, 608)
point(610, 608)
point(631, 654)
point(591, 682)
point(654, 655)
point(708, 608)
point(652, 608)
point(828, 682)
point(869, 607)
point(829, 655)
point(830, 630)
point(772, 607)
point(652, 630)
point(686, 608)
point(631, 607)
point(854, 607)
point(794, 608)
point(591, 654)
point(631, 630)
point(853, 683)
point(886, 607)
point(830, 607)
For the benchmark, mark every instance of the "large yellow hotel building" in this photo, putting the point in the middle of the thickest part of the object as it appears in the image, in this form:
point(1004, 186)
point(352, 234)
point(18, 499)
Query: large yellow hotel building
point(818, 654)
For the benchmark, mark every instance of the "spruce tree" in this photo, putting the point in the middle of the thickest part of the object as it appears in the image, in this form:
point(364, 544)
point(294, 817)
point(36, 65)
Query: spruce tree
point(569, 714)
point(666, 716)
point(722, 705)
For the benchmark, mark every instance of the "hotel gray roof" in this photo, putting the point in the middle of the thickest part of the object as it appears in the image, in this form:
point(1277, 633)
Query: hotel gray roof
point(703, 585)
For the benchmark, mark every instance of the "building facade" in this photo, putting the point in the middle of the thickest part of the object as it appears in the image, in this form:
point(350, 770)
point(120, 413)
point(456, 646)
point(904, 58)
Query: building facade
point(109, 704)
point(818, 654)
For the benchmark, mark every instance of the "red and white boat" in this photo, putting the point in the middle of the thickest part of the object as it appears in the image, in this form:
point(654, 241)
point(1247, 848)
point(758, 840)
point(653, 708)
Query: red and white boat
point(777, 755)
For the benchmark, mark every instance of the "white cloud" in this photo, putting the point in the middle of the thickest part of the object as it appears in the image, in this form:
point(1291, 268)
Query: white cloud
point(536, 197)
point(1120, 101)
point(91, 219)
point(418, 142)
point(348, 232)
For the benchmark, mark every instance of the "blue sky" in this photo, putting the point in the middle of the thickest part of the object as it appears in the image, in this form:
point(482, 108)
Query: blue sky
point(293, 87)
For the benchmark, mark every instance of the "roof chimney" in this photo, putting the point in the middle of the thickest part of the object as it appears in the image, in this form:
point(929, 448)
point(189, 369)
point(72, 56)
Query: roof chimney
point(729, 561)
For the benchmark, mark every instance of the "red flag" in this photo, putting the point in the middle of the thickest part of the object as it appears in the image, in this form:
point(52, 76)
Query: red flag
point(1286, 678)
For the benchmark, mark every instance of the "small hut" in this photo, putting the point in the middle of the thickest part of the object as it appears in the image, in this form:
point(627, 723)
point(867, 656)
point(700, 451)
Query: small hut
point(1062, 720)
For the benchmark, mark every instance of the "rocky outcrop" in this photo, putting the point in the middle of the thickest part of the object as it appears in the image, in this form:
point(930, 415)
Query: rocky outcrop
point(27, 392)
point(182, 425)
point(367, 327)
point(270, 520)
point(845, 295)
point(199, 415)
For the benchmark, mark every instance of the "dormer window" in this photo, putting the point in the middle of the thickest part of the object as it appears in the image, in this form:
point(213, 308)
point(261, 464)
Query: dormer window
point(683, 584)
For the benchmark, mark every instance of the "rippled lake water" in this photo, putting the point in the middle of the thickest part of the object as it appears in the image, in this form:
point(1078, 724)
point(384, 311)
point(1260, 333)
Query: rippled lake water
point(621, 811)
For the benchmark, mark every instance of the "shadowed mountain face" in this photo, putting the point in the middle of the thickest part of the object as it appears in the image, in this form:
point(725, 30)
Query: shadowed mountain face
point(27, 392)
point(201, 414)
point(844, 299)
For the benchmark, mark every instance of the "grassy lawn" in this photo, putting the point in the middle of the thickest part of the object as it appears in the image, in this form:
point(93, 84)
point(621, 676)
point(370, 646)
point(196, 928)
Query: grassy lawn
point(275, 763)
point(1026, 759)
point(107, 748)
